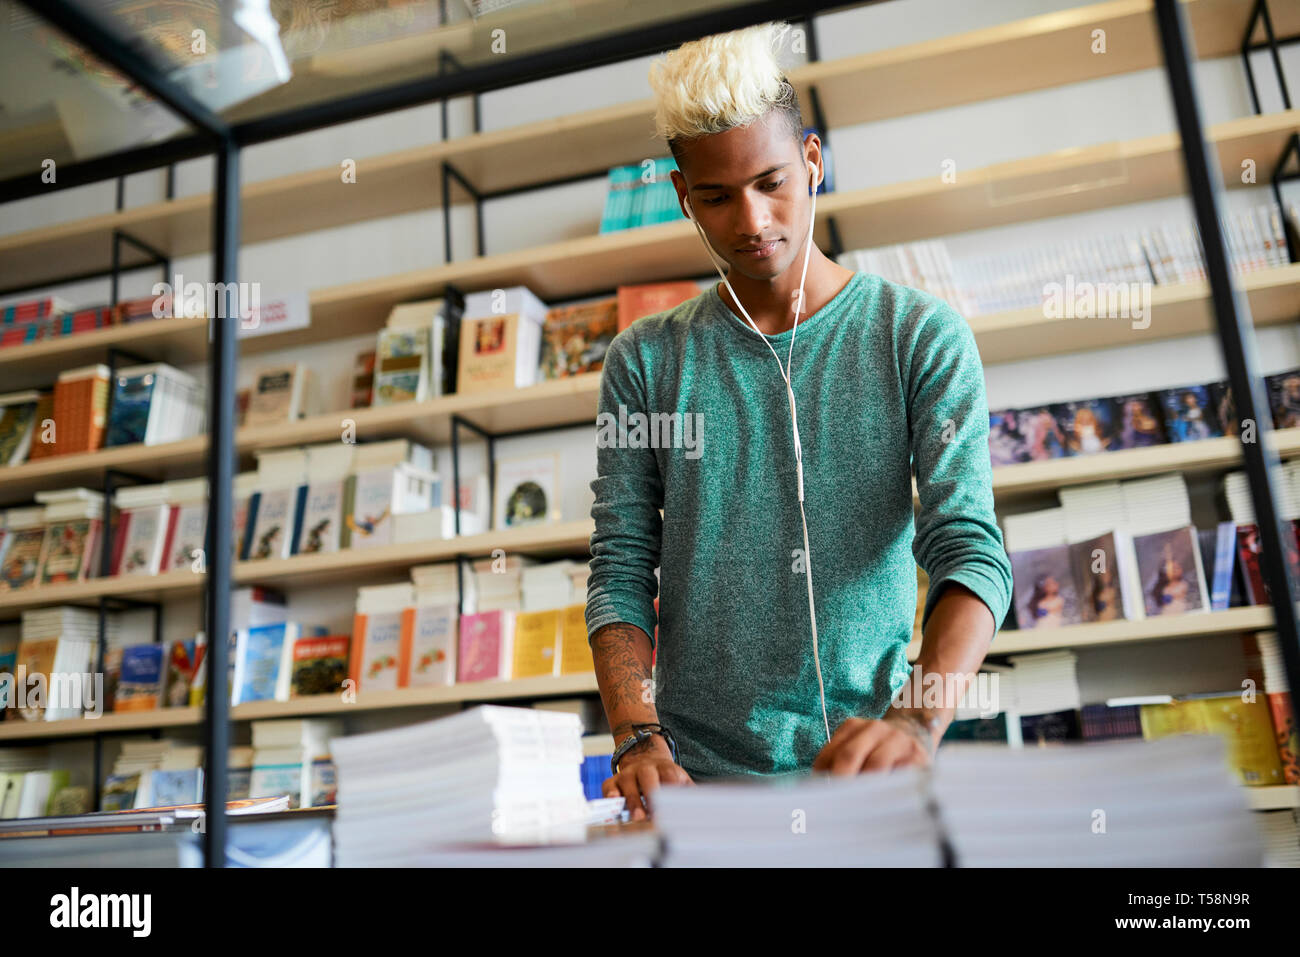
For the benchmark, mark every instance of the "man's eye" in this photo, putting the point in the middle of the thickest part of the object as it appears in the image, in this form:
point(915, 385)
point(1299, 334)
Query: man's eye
point(770, 187)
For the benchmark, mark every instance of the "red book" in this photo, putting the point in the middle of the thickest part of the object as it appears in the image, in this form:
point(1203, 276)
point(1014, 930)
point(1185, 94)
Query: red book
point(1288, 737)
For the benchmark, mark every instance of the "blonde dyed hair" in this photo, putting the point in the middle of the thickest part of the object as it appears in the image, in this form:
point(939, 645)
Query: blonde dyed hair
point(721, 82)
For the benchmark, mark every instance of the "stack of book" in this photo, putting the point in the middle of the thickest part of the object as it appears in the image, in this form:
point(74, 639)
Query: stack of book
point(58, 643)
point(36, 320)
point(151, 773)
point(80, 409)
point(29, 786)
point(1280, 833)
point(1244, 725)
point(868, 820)
point(487, 774)
point(1030, 277)
point(292, 758)
point(378, 662)
point(152, 404)
point(1044, 692)
point(1111, 804)
point(23, 538)
point(1111, 550)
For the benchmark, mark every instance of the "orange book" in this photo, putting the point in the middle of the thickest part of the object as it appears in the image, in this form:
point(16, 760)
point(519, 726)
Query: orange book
point(1288, 738)
point(44, 414)
point(646, 299)
point(537, 639)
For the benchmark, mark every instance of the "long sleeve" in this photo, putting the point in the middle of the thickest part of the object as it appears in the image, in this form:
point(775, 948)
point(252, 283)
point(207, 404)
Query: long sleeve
point(957, 535)
point(629, 493)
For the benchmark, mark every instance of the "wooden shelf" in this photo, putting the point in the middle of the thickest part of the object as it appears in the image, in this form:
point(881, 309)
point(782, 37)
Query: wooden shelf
point(1251, 618)
point(542, 541)
point(323, 705)
point(1030, 54)
point(1068, 181)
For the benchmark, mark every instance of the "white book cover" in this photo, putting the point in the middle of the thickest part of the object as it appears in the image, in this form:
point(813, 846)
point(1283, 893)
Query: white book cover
point(322, 518)
point(380, 651)
point(527, 491)
point(433, 646)
point(189, 537)
point(145, 537)
point(273, 526)
point(371, 521)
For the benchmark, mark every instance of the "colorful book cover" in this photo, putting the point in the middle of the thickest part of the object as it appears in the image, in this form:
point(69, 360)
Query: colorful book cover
point(575, 649)
point(1045, 591)
point(1246, 727)
point(1284, 398)
point(363, 379)
point(1007, 443)
point(132, 400)
point(1189, 414)
point(1225, 563)
point(22, 559)
point(376, 651)
point(1140, 423)
point(648, 299)
point(320, 665)
point(67, 550)
point(17, 424)
point(1249, 547)
point(324, 782)
point(260, 674)
point(322, 518)
point(274, 780)
point(180, 673)
point(537, 638)
point(1288, 738)
point(36, 657)
point(139, 688)
point(1224, 406)
point(1043, 436)
point(526, 491)
point(1097, 574)
point(119, 792)
point(576, 338)
point(1088, 426)
point(140, 539)
point(1169, 564)
point(401, 366)
point(484, 650)
point(431, 645)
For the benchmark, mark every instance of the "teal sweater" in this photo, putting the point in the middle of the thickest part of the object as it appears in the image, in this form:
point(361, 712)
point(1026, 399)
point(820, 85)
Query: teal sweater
point(884, 376)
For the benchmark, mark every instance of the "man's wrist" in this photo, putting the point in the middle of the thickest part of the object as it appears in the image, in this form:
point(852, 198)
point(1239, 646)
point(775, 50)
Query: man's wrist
point(929, 723)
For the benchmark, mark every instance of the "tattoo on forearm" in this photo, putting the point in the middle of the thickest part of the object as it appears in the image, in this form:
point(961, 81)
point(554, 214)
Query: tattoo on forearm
point(624, 673)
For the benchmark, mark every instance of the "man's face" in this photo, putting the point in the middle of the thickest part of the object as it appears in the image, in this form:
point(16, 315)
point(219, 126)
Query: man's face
point(748, 188)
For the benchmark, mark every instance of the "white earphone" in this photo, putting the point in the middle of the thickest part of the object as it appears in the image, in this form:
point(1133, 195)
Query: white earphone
point(794, 418)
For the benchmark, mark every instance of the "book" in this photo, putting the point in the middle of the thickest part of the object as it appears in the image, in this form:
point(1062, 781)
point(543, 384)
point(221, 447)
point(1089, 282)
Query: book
point(1245, 726)
point(1225, 565)
point(1140, 423)
point(498, 352)
point(320, 665)
point(181, 663)
point(376, 650)
point(1189, 414)
point(321, 522)
point(1287, 736)
point(141, 538)
point(575, 649)
point(22, 558)
point(273, 513)
point(1173, 579)
point(647, 299)
point(1045, 592)
point(1106, 574)
point(526, 489)
point(429, 642)
point(576, 338)
point(486, 646)
point(1284, 398)
point(1088, 426)
point(264, 663)
point(363, 379)
point(402, 363)
point(17, 425)
point(1224, 406)
point(536, 644)
point(279, 395)
point(68, 550)
point(141, 683)
point(369, 519)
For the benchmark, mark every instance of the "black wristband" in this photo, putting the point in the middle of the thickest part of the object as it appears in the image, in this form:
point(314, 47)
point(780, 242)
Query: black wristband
point(642, 732)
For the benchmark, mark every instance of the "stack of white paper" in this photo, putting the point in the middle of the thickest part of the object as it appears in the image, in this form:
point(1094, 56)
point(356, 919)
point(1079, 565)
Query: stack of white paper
point(487, 774)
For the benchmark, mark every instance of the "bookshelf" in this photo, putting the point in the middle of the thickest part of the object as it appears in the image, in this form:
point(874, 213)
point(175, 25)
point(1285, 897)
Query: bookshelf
point(1043, 48)
point(1034, 188)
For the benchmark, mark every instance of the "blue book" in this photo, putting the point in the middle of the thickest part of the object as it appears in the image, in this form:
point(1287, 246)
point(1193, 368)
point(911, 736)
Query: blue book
point(260, 666)
point(170, 788)
point(128, 423)
point(1225, 561)
point(140, 686)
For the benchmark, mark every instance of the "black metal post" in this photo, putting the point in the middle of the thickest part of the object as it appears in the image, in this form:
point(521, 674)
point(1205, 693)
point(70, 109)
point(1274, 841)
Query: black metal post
point(221, 465)
point(1235, 327)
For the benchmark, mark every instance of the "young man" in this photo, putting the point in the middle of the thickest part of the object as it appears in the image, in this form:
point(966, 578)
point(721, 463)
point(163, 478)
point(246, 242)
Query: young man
point(751, 676)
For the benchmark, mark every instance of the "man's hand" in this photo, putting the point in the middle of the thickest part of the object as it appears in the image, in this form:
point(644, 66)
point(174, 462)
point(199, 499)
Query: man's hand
point(641, 771)
point(865, 744)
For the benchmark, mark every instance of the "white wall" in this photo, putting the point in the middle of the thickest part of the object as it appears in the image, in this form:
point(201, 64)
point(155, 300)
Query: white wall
point(905, 148)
